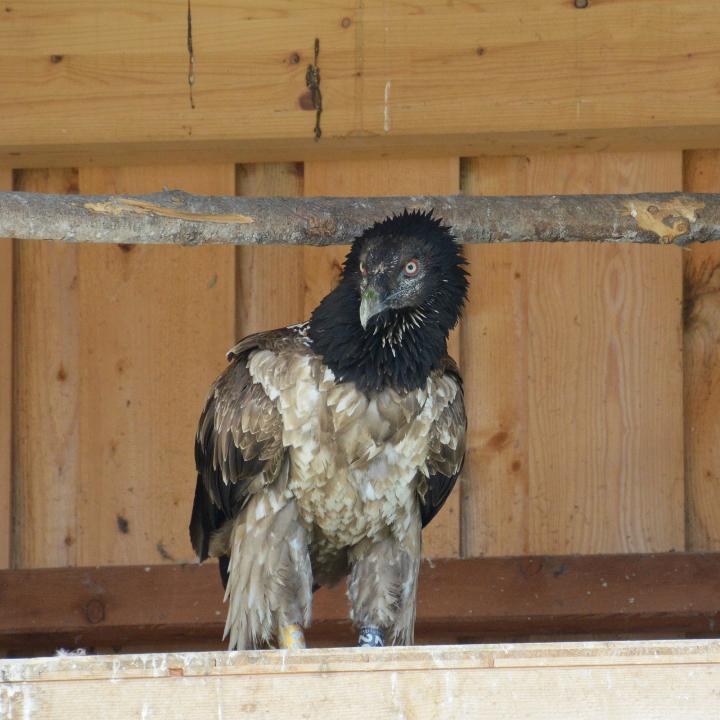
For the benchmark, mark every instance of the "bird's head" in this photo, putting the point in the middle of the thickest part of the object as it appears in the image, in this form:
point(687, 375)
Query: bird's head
point(409, 268)
point(402, 290)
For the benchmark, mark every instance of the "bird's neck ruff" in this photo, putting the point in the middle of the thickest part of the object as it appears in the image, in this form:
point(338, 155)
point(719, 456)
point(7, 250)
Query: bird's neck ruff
point(399, 348)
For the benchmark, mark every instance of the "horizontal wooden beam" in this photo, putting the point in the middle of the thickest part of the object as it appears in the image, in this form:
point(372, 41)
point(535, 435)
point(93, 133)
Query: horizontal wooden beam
point(458, 600)
point(361, 146)
point(182, 219)
point(538, 681)
point(92, 83)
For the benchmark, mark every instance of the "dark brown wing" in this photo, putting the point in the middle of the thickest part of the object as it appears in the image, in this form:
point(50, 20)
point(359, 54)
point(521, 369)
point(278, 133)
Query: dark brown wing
point(238, 446)
point(447, 446)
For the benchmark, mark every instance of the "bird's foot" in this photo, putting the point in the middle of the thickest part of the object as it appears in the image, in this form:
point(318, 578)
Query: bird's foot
point(371, 636)
point(291, 637)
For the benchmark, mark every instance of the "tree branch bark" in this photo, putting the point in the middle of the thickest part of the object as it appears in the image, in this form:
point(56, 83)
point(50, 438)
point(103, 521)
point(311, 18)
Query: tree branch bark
point(178, 218)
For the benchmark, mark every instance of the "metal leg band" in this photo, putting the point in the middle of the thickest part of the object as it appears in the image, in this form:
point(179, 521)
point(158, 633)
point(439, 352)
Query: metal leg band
point(371, 636)
point(291, 637)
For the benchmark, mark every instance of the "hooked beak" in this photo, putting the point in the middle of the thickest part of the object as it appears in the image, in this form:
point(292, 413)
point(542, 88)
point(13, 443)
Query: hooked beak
point(370, 305)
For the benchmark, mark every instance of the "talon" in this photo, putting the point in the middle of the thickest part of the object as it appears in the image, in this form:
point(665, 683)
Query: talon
point(371, 636)
point(291, 637)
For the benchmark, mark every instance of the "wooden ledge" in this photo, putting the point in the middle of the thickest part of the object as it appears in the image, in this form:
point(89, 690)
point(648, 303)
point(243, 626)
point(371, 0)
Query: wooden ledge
point(458, 601)
point(670, 679)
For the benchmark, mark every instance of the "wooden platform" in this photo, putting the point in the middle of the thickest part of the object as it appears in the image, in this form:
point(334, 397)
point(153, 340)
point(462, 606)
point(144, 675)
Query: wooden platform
point(659, 679)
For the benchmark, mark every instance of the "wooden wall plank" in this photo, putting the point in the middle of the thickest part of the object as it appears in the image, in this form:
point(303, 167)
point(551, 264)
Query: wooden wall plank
point(6, 386)
point(702, 369)
point(47, 381)
point(155, 325)
point(405, 77)
point(270, 285)
point(322, 265)
point(572, 360)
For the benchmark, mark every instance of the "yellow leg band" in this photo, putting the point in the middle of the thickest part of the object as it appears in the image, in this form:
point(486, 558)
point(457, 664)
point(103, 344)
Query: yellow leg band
point(291, 637)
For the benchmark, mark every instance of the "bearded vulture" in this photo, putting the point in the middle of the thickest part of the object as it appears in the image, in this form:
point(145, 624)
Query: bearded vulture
point(324, 448)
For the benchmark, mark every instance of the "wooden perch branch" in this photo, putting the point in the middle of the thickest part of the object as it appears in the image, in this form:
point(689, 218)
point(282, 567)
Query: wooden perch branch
point(178, 218)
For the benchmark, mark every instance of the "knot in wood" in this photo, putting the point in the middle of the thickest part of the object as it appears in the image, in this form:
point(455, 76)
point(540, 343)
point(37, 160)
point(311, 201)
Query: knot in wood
point(95, 611)
point(530, 566)
point(321, 227)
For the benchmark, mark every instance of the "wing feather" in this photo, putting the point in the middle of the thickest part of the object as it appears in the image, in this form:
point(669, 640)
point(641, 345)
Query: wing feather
point(446, 446)
point(238, 446)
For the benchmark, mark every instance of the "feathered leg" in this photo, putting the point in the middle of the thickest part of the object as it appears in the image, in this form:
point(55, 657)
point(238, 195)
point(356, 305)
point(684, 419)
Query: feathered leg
point(269, 590)
point(382, 587)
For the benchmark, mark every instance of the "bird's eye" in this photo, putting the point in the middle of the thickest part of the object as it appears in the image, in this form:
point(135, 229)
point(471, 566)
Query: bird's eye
point(411, 268)
point(363, 267)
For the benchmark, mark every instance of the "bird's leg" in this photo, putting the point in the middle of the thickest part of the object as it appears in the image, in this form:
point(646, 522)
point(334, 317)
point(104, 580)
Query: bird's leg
point(383, 579)
point(270, 578)
point(371, 636)
point(291, 637)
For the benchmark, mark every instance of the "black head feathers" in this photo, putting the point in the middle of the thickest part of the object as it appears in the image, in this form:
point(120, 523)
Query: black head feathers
point(402, 290)
point(420, 226)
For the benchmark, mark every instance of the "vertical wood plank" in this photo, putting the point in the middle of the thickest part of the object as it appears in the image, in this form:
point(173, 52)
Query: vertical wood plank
point(702, 369)
point(270, 284)
point(572, 360)
point(47, 381)
point(496, 501)
point(155, 325)
point(6, 380)
point(322, 265)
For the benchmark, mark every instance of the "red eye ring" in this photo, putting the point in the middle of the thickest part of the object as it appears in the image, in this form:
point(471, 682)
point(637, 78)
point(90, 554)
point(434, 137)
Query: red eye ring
point(411, 268)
